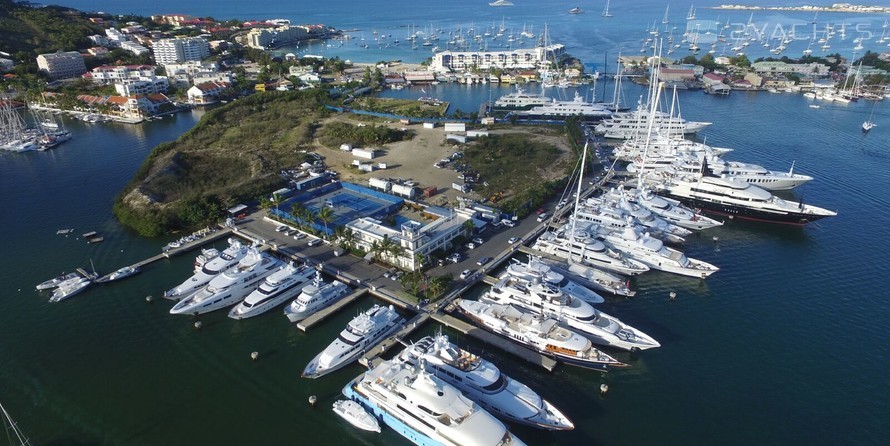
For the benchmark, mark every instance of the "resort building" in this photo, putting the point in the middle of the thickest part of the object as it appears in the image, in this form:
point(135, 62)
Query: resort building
point(172, 51)
point(109, 74)
point(285, 34)
point(62, 65)
point(142, 86)
point(446, 61)
point(773, 68)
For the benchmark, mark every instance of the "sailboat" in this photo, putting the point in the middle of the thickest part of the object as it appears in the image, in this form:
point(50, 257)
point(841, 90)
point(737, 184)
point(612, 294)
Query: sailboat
point(606, 12)
point(14, 434)
point(691, 15)
point(665, 20)
point(869, 123)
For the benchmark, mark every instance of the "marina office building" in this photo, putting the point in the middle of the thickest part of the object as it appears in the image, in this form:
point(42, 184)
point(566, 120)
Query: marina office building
point(522, 59)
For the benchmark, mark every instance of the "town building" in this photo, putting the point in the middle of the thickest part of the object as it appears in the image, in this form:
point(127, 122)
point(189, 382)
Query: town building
point(773, 68)
point(206, 93)
point(109, 74)
point(142, 86)
point(178, 50)
point(62, 65)
point(446, 61)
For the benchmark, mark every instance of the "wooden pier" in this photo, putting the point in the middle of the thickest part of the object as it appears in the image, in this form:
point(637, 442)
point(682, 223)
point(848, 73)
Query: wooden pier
point(324, 313)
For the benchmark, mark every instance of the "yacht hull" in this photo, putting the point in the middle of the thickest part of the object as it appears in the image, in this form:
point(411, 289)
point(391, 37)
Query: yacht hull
point(733, 212)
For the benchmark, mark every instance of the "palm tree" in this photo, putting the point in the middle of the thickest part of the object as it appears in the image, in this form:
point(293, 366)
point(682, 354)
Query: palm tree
point(419, 261)
point(296, 209)
point(412, 281)
point(343, 237)
point(275, 200)
point(469, 227)
point(326, 215)
point(307, 216)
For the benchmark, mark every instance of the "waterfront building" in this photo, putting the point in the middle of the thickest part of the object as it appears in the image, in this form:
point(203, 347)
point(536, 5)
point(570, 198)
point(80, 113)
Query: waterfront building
point(529, 58)
point(109, 74)
point(280, 35)
point(206, 93)
point(666, 74)
point(142, 86)
point(416, 240)
point(774, 68)
point(62, 65)
point(178, 50)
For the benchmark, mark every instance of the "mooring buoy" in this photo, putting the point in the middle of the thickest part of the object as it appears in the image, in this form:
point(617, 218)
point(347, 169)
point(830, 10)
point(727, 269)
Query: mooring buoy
point(255, 355)
point(197, 325)
point(604, 388)
point(673, 295)
point(312, 399)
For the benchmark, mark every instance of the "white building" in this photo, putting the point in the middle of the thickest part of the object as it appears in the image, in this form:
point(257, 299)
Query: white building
point(171, 51)
point(206, 93)
point(417, 240)
point(134, 48)
point(107, 74)
point(446, 61)
point(62, 65)
point(266, 37)
point(142, 86)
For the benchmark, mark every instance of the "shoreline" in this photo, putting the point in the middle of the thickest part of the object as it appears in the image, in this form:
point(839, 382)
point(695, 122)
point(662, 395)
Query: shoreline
point(857, 9)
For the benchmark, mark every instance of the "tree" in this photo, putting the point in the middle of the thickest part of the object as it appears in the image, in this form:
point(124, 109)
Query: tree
point(326, 215)
point(411, 281)
point(296, 211)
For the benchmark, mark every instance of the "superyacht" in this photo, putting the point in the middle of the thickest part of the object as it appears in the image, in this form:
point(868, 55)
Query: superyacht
point(209, 269)
point(539, 332)
point(534, 270)
point(652, 251)
point(275, 290)
point(363, 332)
point(580, 247)
point(231, 286)
point(424, 409)
point(314, 297)
point(574, 313)
point(484, 383)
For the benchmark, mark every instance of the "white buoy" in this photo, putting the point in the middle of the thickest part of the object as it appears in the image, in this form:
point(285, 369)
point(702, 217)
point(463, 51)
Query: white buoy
point(604, 388)
point(197, 325)
point(148, 299)
point(673, 295)
point(716, 238)
point(255, 355)
point(312, 399)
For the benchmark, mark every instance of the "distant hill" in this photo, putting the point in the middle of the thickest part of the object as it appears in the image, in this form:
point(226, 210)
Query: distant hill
point(43, 29)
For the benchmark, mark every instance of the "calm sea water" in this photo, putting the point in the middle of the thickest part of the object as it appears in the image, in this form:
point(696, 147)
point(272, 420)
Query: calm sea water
point(785, 345)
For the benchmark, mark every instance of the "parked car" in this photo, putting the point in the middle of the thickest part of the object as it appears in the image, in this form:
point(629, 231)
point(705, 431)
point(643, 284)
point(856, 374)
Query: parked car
point(508, 223)
point(478, 241)
point(513, 240)
point(471, 245)
point(542, 217)
point(281, 228)
point(314, 242)
point(466, 273)
point(454, 258)
point(299, 236)
point(483, 261)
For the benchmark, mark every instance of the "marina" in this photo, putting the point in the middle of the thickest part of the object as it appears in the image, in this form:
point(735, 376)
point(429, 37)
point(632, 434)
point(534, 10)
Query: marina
point(782, 292)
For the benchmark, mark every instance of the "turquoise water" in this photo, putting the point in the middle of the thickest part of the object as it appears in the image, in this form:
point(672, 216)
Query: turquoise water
point(785, 345)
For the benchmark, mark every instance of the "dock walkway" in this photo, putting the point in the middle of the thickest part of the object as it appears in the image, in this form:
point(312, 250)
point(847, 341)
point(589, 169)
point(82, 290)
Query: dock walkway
point(324, 313)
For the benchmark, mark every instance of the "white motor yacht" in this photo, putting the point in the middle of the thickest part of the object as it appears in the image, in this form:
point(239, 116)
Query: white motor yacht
point(363, 332)
point(592, 277)
point(583, 249)
point(356, 415)
point(539, 332)
point(738, 199)
point(278, 288)
point(626, 125)
point(231, 286)
point(424, 409)
point(672, 210)
point(484, 383)
point(56, 281)
point(534, 270)
point(69, 288)
point(314, 297)
point(653, 252)
point(658, 145)
point(615, 217)
point(121, 273)
point(570, 312)
point(211, 268)
point(521, 100)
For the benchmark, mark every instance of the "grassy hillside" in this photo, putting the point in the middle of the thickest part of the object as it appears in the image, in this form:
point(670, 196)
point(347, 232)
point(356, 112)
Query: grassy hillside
point(37, 30)
point(235, 153)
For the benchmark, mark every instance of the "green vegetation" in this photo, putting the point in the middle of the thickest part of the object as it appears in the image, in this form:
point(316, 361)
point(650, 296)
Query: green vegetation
point(401, 107)
point(37, 30)
point(514, 164)
point(234, 154)
point(334, 134)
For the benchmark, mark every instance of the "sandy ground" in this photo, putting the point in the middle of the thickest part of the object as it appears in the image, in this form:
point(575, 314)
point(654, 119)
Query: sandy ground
point(412, 160)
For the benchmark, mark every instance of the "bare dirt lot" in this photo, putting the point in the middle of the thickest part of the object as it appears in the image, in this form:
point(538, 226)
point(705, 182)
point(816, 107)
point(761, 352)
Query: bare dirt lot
point(415, 159)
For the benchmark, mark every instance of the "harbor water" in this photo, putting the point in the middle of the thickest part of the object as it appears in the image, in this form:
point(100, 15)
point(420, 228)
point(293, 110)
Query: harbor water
point(784, 345)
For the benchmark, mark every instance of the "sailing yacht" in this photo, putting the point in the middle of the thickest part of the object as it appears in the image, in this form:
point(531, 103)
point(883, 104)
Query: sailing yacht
point(606, 12)
point(869, 122)
point(482, 381)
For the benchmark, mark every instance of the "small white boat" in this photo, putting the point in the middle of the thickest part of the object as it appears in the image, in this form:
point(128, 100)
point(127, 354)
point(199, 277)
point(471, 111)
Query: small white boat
point(867, 125)
point(356, 415)
point(69, 288)
point(126, 271)
point(56, 281)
